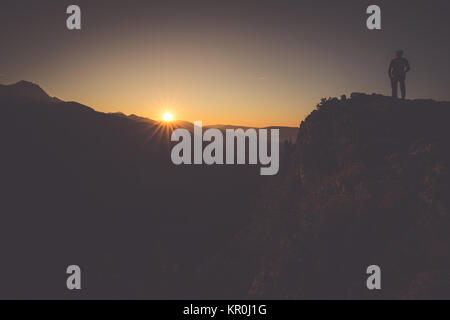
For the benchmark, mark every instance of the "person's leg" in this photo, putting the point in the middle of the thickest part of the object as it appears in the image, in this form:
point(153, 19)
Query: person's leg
point(403, 88)
point(394, 87)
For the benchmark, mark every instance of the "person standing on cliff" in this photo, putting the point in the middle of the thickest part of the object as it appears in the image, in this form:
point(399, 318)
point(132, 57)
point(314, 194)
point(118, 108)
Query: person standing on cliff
point(397, 73)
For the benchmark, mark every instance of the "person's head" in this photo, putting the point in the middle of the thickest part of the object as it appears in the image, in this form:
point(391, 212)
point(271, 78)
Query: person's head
point(399, 53)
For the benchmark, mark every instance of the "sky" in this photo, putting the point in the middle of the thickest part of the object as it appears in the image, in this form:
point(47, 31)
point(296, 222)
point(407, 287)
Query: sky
point(246, 62)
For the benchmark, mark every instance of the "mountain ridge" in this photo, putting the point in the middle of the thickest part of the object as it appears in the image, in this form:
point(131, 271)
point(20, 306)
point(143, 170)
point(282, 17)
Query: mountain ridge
point(29, 92)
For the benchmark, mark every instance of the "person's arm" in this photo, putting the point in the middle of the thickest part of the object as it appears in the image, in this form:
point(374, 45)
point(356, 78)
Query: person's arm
point(390, 69)
point(408, 67)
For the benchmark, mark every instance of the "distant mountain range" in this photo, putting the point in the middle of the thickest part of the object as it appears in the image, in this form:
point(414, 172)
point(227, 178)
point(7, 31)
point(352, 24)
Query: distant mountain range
point(25, 91)
point(286, 133)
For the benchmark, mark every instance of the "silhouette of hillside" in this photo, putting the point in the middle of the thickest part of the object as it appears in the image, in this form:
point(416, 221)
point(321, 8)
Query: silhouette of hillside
point(24, 91)
point(367, 183)
point(99, 190)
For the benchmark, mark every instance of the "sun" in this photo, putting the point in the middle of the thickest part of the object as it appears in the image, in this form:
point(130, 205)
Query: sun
point(167, 117)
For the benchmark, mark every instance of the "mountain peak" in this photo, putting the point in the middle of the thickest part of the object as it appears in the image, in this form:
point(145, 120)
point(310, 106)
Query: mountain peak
point(25, 83)
point(24, 91)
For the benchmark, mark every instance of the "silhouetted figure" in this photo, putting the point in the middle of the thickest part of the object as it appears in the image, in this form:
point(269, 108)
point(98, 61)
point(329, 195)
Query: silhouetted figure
point(397, 72)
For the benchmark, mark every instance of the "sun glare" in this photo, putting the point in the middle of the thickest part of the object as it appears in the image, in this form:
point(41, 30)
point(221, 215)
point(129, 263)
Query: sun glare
point(167, 117)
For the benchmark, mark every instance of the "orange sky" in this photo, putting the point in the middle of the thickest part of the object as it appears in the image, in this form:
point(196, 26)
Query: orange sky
point(200, 82)
point(250, 63)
